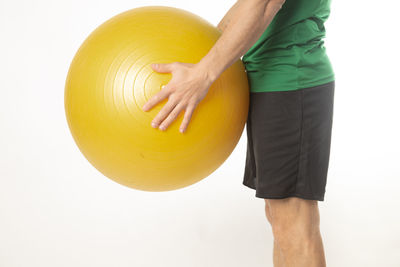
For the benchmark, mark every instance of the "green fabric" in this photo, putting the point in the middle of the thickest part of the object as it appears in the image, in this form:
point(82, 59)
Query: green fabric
point(290, 54)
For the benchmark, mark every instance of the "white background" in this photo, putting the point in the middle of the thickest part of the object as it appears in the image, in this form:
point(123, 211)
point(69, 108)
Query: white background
point(57, 210)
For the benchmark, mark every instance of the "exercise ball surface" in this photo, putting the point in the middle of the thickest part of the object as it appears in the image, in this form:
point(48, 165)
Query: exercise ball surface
point(110, 79)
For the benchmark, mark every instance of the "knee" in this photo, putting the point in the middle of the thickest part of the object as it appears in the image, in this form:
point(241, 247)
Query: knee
point(294, 221)
point(268, 212)
point(288, 234)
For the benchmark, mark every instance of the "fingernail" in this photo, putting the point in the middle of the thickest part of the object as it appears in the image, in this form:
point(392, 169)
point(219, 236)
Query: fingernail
point(162, 128)
point(154, 125)
point(181, 130)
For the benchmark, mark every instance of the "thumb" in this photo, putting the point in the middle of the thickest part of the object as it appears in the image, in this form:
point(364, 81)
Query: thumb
point(162, 68)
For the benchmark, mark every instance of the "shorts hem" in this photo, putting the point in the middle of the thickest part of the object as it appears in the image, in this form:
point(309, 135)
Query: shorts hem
point(268, 196)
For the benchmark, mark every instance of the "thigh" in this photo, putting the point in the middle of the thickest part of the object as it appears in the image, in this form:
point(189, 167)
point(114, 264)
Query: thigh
point(289, 135)
point(291, 210)
point(276, 133)
point(316, 138)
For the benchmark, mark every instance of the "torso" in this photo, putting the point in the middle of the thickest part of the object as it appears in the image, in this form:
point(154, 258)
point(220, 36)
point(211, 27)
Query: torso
point(290, 54)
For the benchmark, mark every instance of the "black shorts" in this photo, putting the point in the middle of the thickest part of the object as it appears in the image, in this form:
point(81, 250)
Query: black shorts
point(288, 142)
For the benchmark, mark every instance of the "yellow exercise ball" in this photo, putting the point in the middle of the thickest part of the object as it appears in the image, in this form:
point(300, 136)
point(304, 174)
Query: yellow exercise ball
point(110, 79)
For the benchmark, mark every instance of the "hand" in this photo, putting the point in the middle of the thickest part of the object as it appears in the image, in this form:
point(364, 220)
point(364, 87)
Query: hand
point(188, 86)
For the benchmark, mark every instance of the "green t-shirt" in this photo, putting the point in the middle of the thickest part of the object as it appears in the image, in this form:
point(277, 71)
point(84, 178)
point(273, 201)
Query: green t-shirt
point(290, 54)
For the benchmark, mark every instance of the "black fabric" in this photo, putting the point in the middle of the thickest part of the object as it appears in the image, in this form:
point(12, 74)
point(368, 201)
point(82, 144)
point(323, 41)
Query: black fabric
point(288, 142)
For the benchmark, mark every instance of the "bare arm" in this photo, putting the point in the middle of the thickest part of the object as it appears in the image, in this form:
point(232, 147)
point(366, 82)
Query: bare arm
point(242, 26)
point(228, 17)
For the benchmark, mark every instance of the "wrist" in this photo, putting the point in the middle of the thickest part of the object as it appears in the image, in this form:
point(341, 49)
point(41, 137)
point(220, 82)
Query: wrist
point(209, 68)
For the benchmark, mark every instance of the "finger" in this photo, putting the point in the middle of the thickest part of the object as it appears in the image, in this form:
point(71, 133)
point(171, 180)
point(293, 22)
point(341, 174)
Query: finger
point(164, 112)
point(162, 68)
point(161, 95)
point(171, 117)
point(186, 64)
point(186, 118)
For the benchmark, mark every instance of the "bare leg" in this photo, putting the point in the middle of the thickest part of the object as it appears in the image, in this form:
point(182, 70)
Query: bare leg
point(277, 254)
point(295, 225)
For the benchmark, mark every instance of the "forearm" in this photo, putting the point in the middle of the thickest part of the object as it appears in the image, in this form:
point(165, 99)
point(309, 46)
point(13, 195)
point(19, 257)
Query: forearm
point(249, 21)
point(228, 16)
